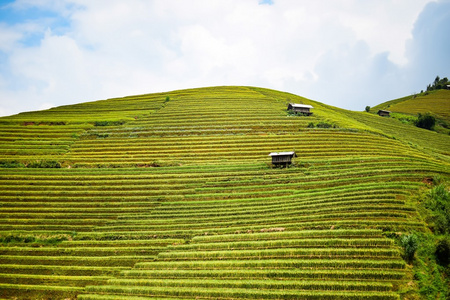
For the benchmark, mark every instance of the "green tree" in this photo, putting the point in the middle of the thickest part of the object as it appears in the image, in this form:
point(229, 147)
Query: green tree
point(426, 121)
point(367, 108)
point(438, 83)
point(436, 80)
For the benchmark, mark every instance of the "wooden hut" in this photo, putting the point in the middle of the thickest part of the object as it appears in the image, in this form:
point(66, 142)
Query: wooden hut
point(282, 158)
point(384, 113)
point(300, 108)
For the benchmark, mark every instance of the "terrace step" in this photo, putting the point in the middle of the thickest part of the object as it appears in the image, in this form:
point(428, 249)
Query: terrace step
point(238, 293)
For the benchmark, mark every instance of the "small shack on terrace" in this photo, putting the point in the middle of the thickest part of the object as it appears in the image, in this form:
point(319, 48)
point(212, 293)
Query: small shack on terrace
point(384, 113)
point(282, 158)
point(300, 108)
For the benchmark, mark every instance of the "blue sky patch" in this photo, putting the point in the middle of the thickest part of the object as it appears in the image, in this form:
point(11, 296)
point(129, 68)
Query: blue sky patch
point(45, 19)
point(12, 15)
point(268, 2)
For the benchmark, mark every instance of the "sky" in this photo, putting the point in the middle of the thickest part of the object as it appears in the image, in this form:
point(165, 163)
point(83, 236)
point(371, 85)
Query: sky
point(346, 53)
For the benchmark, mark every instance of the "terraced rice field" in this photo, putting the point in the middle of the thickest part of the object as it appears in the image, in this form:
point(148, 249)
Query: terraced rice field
point(173, 196)
point(436, 102)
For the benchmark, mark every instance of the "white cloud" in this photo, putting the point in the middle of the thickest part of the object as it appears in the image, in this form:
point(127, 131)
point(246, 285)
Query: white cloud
point(332, 51)
point(8, 38)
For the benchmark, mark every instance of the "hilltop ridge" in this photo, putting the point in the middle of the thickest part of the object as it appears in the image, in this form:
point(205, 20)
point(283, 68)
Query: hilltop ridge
point(94, 119)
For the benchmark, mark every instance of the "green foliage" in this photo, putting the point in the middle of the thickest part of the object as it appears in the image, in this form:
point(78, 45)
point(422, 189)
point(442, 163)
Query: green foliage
point(98, 135)
point(11, 164)
point(443, 251)
point(426, 121)
point(17, 239)
point(431, 278)
point(438, 84)
point(109, 123)
point(410, 245)
point(44, 164)
point(404, 118)
point(438, 202)
point(430, 268)
point(367, 109)
point(33, 239)
point(322, 124)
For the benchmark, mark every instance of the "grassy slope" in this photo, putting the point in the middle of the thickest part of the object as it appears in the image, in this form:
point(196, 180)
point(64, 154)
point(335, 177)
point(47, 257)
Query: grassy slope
point(436, 102)
point(180, 188)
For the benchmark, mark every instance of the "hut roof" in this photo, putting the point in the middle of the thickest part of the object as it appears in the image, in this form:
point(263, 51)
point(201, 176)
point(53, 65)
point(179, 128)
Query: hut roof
point(283, 153)
point(301, 105)
point(386, 111)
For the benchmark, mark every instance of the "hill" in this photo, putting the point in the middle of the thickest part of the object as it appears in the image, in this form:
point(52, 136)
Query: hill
point(436, 102)
point(172, 195)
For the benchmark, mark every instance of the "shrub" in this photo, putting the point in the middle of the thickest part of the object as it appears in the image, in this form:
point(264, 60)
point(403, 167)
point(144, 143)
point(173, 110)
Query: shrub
point(36, 240)
point(99, 135)
point(425, 121)
point(443, 251)
point(44, 164)
point(439, 203)
point(322, 125)
point(11, 164)
point(410, 245)
point(16, 239)
point(108, 123)
point(367, 108)
point(325, 125)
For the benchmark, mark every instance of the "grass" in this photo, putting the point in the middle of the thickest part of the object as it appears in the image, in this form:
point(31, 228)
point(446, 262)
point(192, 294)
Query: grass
point(406, 109)
point(156, 201)
point(436, 102)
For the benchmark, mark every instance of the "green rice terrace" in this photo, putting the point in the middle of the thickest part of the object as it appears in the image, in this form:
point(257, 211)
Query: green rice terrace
point(435, 102)
point(173, 196)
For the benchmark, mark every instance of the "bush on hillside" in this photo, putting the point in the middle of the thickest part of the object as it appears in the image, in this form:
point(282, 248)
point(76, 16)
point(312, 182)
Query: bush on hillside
point(426, 121)
point(322, 125)
point(367, 108)
point(439, 203)
point(404, 118)
point(443, 251)
point(108, 123)
point(44, 164)
point(11, 164)
point(410, 245)
point(36, 240)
